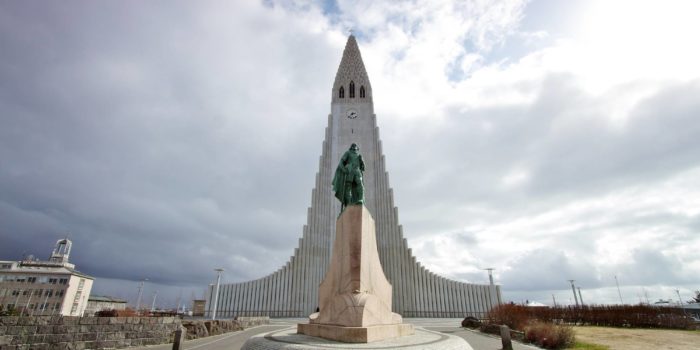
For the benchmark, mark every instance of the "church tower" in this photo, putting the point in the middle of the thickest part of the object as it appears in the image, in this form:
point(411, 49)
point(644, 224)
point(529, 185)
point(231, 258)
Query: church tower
point(292, 290)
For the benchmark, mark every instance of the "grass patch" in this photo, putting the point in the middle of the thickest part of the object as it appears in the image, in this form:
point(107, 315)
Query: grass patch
point(588, 346)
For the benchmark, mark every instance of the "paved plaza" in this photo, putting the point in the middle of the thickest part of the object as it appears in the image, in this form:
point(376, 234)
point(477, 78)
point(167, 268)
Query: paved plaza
point(451, 326)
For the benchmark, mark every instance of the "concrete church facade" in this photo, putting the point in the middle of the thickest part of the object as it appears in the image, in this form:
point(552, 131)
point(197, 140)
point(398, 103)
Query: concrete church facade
point(292, 290)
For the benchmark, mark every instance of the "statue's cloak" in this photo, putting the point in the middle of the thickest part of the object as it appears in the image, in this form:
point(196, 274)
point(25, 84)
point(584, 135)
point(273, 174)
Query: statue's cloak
point(339, 182)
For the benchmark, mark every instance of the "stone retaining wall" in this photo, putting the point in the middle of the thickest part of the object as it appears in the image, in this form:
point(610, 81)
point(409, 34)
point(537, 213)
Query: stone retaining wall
point(78, 333)
point(204, 328)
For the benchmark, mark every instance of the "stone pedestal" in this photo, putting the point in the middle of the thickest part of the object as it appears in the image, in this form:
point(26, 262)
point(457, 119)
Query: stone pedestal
point(355, 296)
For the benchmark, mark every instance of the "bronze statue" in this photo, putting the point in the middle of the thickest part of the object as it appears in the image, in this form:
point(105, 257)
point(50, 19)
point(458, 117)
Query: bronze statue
point(347, 182)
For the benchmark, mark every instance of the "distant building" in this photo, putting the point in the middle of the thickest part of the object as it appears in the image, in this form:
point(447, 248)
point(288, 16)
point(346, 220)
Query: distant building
point(198, 307)
point(98, 303)
point(53, 287)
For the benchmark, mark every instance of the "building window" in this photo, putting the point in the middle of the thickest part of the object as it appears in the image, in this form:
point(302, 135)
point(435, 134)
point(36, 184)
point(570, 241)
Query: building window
point(57, 306)
point(362, 91)
point(81, 284)
point(352, 90)
point(63, 281)
point(341, 92)
point(15, 292)
point(53, 280)
point(31, 279)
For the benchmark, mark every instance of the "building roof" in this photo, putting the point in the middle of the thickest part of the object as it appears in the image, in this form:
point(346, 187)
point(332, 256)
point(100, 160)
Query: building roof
point(105, 299)
point(352, 68)
point(42, 267)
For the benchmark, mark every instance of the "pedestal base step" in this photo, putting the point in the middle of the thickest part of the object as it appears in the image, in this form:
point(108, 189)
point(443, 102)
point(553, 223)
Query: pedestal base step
point(289, 339)
point(355, 334)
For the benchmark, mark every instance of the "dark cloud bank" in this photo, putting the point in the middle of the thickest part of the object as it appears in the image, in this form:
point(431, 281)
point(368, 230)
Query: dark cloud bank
point(166, 146)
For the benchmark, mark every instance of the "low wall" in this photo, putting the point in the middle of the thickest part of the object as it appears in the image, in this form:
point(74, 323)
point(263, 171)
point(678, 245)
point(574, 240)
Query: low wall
point(204, 328)
point(77, 333)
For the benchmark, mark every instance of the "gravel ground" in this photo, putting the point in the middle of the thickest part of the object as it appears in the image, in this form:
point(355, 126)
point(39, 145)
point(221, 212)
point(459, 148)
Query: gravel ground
point(635, 339)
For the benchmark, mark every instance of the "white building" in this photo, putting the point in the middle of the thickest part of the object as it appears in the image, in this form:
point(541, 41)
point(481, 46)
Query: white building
point(53, 287)
point(97, 303)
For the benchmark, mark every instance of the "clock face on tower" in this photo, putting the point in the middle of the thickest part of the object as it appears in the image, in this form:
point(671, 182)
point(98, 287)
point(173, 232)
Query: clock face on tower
point(352, 114)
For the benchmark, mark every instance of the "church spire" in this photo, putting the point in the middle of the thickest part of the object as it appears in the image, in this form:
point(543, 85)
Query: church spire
point(351, 81)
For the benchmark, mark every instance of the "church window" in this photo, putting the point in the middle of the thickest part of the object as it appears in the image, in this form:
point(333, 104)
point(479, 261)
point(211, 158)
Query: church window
point(362, 91)
point(341, 92)
point(352, 90)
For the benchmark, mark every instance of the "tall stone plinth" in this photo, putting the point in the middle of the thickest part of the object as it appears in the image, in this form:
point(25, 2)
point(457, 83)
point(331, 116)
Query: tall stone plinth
point(355, 296)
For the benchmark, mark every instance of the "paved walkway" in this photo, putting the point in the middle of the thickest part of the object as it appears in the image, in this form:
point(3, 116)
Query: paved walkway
point(478, 340)
point(235, 340)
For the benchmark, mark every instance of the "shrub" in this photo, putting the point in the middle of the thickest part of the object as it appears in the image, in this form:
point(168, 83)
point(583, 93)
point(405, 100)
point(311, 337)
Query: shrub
point(490, 328)
point(116, 313)
point(9, 311)
point(513, 316)
point(471, 322)
point(640, 316)
point(549, 336)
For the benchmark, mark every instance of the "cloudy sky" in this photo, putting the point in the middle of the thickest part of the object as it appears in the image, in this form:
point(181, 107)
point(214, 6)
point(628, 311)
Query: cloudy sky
point(550, 140)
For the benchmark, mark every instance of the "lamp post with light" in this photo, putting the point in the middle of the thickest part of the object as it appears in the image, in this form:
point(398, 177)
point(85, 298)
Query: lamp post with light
point(138, 300)
point(216, 294)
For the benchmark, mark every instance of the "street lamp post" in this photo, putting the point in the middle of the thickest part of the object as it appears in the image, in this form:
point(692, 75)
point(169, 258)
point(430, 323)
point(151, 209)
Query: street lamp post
point(492, 287)
point(573, 289)
point(153, 305)
point(216, 294)
point(618, 290)
point(580, 297)
point(138, 300)
point(680, 300)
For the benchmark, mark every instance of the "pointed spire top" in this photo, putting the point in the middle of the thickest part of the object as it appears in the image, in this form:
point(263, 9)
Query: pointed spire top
point(351, 68)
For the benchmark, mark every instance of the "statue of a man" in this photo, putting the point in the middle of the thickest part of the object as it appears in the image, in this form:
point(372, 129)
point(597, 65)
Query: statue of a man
point(347, 182)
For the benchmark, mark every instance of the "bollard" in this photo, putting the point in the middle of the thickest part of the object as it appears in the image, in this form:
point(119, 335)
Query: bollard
point(505, 338)
point(179, 342)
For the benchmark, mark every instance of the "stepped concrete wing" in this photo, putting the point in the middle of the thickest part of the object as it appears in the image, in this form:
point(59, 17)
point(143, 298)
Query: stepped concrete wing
point(292, 290)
